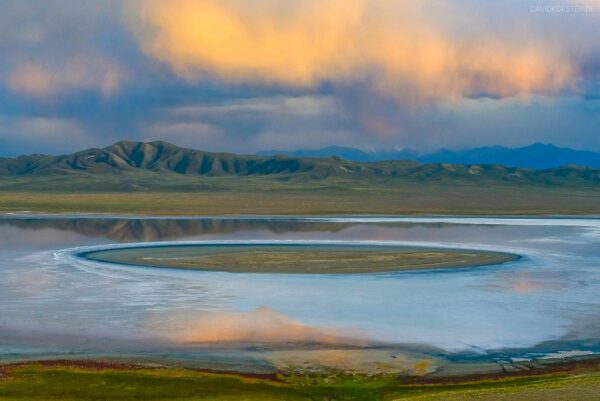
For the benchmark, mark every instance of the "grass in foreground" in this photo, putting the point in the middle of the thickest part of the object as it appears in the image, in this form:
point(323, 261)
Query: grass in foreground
point(39, 382)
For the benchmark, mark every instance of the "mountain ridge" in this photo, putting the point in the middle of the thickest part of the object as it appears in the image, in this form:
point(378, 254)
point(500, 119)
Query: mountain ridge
point(127, 157)
point(535, 156)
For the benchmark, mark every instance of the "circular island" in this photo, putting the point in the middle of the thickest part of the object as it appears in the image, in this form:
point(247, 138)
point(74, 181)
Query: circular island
point(300, 258)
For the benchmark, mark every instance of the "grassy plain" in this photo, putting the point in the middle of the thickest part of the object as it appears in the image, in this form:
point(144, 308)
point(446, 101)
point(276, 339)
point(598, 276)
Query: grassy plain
point(160, 178)
point(52, 382)
point(234, 196)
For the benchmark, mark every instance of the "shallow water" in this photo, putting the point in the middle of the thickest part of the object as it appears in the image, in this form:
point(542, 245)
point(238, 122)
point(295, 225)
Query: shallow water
point(54, 303)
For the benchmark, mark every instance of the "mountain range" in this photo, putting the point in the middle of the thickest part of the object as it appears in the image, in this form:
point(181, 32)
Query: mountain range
point(137, 159)
point(535, 156)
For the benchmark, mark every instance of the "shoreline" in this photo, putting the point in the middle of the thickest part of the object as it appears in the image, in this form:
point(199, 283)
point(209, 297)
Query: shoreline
point(558, 366)
point(310, 217)
point(63, 379)
point(296, 215)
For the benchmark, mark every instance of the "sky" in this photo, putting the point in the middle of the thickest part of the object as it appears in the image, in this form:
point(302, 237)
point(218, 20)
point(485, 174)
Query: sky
point(251, 75)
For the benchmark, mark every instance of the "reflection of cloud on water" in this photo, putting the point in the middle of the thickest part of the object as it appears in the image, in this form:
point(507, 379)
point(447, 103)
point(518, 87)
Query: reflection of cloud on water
point(552, 240)
point(262, 325)
point(525, 283)
point(31, 278)
point(31, 283)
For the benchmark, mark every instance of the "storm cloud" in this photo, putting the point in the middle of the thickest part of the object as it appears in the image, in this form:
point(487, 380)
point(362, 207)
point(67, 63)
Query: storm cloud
point(248, 75)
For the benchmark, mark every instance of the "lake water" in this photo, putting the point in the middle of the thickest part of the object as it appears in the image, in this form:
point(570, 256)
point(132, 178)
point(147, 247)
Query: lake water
point(54, 304)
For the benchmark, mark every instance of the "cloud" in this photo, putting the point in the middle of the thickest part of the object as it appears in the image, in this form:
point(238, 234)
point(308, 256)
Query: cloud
point(247, 75)
point(401, 49)
point(41, 134)
point(38, 79)
point(262, 123)
point(274, 139)
point(55, 47)
point(281, 106)
point(196, 135)
point(262, 325)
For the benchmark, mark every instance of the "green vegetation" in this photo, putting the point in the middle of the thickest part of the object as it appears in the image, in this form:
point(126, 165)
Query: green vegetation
point(269, 199)
point(141, 158)
point(98, 382)
point(131, 177)
point(305, 259)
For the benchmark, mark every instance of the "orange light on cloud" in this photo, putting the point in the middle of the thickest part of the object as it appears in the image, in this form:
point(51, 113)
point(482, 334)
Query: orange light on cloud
point(398, 47)
point(43, 81)
point(31, 79)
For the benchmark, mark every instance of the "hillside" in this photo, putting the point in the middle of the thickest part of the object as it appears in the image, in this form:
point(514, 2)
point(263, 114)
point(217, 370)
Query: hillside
point(535, 156)
point(161, 159)
point(160, 178)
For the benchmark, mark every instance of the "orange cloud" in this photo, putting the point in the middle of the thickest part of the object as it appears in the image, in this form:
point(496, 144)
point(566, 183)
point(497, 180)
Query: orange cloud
point(399, 47)
point(45, 80)
point(31, 79)
point(262, 325)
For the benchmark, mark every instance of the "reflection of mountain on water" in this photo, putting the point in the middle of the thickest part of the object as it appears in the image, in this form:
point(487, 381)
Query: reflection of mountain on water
point(124, 230)
point(161, 229)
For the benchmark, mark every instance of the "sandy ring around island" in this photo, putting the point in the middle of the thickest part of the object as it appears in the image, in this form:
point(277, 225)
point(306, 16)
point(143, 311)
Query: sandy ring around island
point(295, 257)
